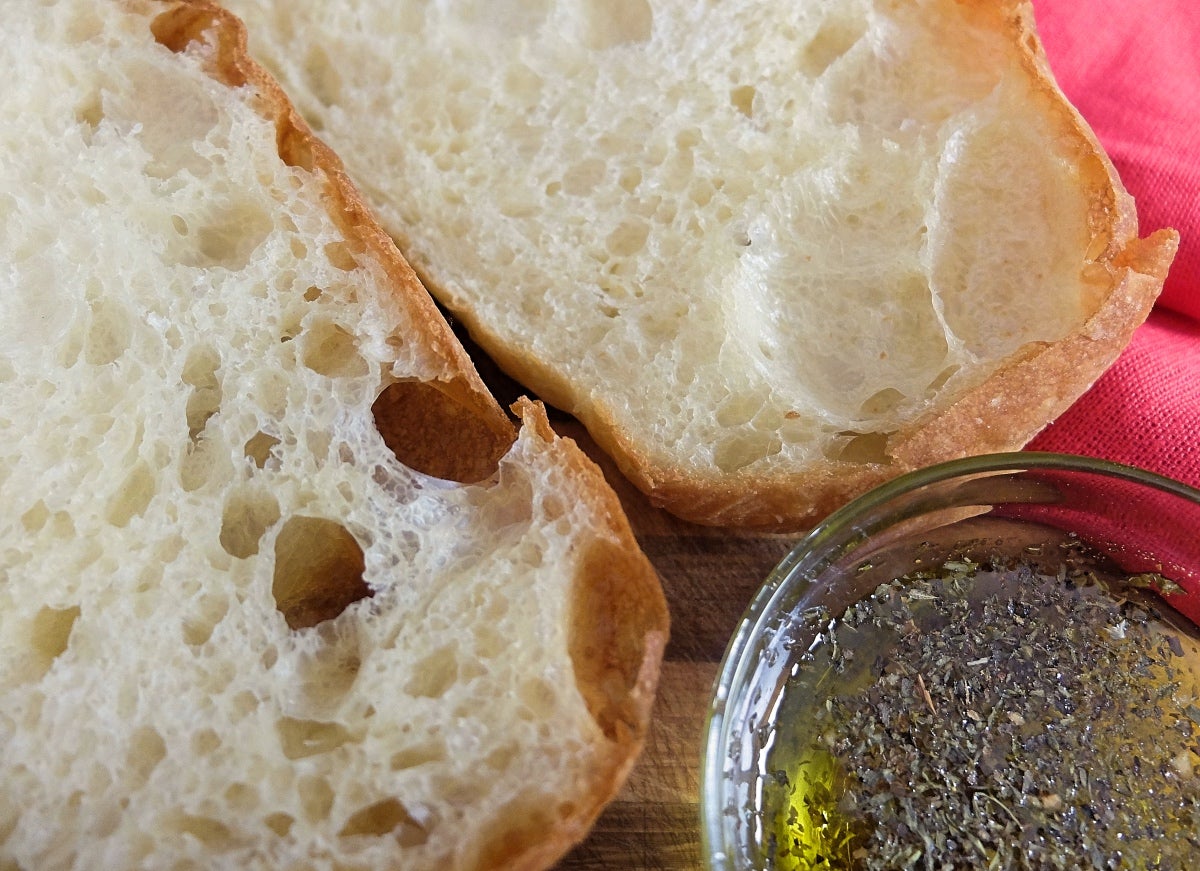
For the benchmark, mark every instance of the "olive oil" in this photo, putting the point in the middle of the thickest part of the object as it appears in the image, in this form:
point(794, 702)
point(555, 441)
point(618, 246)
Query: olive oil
point(990, 716)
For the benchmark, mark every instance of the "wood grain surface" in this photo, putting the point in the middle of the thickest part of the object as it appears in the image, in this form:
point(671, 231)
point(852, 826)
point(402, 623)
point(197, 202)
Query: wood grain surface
point(709, 576)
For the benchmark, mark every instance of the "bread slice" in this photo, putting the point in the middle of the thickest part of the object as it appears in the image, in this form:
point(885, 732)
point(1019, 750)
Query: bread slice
point(281, 587)
point(769, 253)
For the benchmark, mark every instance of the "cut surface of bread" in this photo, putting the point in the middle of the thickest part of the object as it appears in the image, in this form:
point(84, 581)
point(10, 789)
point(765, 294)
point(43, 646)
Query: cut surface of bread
point(281, 585)
point(769, 253)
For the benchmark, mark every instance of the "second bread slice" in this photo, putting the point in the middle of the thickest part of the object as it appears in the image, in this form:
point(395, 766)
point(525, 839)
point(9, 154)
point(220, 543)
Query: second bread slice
point(769, 253)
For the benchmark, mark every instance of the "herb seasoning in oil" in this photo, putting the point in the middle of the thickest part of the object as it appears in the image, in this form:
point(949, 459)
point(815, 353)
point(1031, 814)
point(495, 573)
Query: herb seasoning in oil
point(991, 716)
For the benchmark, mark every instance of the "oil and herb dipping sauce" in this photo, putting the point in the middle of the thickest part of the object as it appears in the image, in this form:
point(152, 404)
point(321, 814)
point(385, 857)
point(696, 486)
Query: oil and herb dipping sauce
point(1034, 709)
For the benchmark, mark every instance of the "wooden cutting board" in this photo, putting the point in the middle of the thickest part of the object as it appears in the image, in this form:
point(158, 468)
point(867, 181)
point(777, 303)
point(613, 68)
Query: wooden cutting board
point(709, 576)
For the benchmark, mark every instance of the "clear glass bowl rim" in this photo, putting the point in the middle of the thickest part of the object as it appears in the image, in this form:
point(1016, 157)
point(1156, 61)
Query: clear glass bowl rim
point(818, 539)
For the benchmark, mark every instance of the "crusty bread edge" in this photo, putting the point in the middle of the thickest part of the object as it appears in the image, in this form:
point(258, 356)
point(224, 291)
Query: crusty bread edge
point(183, 21)
point(617, 669)
point(620, 621)
point(994, 416)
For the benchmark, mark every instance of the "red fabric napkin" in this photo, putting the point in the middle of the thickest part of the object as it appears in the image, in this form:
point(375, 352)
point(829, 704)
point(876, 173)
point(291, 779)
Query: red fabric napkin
point(1132, 68)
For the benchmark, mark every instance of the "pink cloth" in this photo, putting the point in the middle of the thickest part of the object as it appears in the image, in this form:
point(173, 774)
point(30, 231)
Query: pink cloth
point(1132, 67)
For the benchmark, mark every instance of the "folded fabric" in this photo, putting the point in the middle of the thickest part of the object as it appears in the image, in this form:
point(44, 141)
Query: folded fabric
point(1145, 411)
point(1132, 69)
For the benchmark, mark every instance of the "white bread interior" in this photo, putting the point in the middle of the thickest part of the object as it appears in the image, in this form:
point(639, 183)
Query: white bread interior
point(769, 253)
point(247, 618)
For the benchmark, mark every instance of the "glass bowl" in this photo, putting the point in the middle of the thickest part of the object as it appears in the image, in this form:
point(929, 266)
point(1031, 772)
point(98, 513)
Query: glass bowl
point(790, 766)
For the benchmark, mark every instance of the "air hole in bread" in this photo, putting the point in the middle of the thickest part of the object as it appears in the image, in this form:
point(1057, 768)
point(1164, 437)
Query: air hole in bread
point(109, 817)
point(318, 571)
point(742, 99)
point(741, 449)
point(434, 674)
point(249, 512)
point(418, 754)
point(431, 432)
point(387, 817)
point(738, 409)
point(834, 39)
point(244, 704)
point(701, 192)
point(198, 626)
point(133, 496)
point(583, 178)
point(343, 255)
point(628, 238)
point(242, 797)
point(200, 373)
point(217, 679)
point(864, 447)
point(612, 23)
point(330, 350)
point(316, 798)
point(109, 333)
point(258, 448)
point(279, 823)
point(665, 213)
point(688, 138)
point(35, 517)
point(502, 758)
point(300, 739)
point(146, 749)
point(514, 205)
point(882, 403)
point(212, 833)
point(228, 239)
point(90, 112)
point(942, 377)
point(205, 741)
point(630, 178)
point(51, 634)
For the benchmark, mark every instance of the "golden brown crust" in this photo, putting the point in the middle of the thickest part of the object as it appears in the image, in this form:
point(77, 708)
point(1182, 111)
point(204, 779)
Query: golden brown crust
point(618, 632)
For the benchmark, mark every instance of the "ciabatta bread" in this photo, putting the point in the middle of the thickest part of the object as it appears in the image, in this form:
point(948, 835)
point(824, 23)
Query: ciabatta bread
point(770, 253)
point(281, 587)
